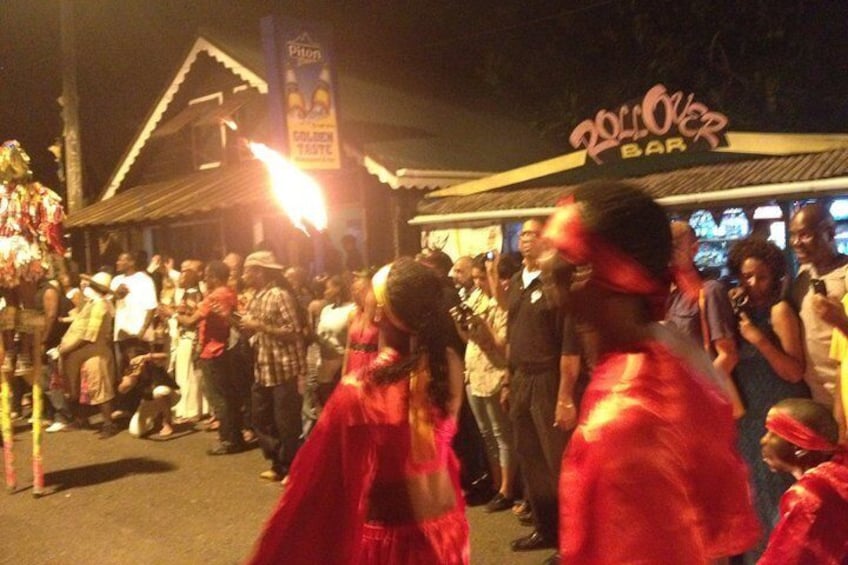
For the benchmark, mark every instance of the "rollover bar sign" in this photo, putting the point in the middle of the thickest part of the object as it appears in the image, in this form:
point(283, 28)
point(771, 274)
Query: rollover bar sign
point(659, 123)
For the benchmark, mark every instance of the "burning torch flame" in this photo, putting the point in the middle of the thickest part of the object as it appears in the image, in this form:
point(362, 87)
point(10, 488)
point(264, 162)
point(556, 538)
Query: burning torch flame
point(298, 193)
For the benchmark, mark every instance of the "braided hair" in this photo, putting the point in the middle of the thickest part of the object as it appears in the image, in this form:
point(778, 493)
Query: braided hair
point(415, 293)
point(630, 220)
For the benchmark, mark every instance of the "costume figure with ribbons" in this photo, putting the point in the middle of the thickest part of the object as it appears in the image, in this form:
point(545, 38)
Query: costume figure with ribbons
point(30, 237)
point(801, 439)
point(376, 481)
point(651, 474)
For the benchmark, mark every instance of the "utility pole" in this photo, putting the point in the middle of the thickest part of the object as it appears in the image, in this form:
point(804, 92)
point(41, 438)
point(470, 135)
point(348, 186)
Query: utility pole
point(70, 110)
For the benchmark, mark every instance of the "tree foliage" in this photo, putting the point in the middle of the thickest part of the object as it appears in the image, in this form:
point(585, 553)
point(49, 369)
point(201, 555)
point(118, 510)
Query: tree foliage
point(770, 65)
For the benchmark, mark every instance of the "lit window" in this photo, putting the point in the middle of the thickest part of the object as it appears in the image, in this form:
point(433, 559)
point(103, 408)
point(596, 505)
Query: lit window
point(734, 224)
point(768, 212)
point(839, 209)
point(208, 139)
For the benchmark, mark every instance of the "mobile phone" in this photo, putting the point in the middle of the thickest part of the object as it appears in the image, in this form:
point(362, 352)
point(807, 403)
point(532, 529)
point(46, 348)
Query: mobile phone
point(819, 287)
point(738, 301)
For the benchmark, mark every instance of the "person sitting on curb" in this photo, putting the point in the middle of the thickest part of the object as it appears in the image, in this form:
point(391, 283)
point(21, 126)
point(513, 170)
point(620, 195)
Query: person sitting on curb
point(159, 393)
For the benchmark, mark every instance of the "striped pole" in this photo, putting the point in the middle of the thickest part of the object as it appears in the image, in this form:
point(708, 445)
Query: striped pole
point(6, 423)
point(37, 412)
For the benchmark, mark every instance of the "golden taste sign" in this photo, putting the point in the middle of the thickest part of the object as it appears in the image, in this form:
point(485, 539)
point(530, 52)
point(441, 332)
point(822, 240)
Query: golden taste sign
point(309, 97)
point(658, 124)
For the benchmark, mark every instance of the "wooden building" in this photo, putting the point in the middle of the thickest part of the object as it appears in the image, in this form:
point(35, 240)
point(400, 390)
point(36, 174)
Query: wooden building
point(187, 185)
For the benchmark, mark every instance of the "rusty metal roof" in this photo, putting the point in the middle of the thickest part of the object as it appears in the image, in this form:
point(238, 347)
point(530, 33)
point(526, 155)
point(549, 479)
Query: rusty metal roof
point(686, 181)
point(223, 188)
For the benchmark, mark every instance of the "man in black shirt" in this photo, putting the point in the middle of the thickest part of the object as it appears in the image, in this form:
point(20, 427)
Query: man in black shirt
point(544, 363)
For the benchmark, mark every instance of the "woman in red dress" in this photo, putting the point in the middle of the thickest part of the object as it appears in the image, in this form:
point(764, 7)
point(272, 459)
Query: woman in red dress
point(377, 482)
point(651, 474)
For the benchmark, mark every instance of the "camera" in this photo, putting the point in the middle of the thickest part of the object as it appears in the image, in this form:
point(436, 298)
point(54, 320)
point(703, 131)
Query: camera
point(463, 315)
point(738, 301)
point(490, 255)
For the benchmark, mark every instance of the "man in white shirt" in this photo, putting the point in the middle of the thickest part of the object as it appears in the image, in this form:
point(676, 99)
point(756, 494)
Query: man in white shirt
point(135, 304)
point(817, 292)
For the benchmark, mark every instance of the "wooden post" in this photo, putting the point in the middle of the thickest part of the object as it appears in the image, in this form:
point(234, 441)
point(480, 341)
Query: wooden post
point(70, 110)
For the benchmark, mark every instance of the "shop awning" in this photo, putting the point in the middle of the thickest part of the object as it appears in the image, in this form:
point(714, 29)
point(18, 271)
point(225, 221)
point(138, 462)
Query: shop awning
point(753, 180)
point(205, 191)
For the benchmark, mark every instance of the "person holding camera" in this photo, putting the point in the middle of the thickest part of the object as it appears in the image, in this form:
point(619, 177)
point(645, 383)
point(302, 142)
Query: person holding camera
point(483, 328)
point(771, 361)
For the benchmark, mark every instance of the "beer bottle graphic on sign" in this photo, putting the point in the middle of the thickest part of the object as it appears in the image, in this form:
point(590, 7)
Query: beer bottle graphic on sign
point(321, 95)
point(294, 99)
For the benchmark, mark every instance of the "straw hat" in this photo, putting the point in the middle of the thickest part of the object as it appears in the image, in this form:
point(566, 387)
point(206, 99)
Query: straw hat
point(264, 259)
point(100, 282)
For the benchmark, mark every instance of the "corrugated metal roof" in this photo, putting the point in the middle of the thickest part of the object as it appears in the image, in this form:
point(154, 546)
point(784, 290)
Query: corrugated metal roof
point(693, 180)
point(215, 189)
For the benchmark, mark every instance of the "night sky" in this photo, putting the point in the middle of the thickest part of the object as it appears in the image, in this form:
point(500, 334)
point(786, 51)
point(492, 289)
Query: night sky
point(127, 52)
point(580, 54)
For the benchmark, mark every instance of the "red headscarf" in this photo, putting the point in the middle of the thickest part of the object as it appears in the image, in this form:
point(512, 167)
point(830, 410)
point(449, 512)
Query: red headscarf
point(611, 267)
point(797, 433)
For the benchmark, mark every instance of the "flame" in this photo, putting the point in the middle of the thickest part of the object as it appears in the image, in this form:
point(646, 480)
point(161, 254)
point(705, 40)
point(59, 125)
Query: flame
point(299, 194)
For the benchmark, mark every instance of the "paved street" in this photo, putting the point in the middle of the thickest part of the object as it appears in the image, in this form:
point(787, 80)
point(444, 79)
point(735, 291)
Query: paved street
point(123, 500)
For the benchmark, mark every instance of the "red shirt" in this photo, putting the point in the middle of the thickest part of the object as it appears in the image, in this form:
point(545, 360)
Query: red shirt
point(214, 326)
point(812, 528)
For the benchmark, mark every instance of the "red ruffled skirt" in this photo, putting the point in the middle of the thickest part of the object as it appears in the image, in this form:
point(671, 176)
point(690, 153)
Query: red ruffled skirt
point(442, 540)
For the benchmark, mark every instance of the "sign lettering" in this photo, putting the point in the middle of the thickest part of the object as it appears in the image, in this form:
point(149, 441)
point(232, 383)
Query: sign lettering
point(657, 116)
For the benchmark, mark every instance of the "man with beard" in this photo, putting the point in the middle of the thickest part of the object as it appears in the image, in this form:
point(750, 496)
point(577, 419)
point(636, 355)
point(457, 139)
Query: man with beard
point(279, 354)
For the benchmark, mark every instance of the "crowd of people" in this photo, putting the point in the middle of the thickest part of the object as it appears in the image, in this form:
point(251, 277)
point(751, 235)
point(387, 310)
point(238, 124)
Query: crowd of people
point(624, 405)
point(627, 407)
point(243, 347)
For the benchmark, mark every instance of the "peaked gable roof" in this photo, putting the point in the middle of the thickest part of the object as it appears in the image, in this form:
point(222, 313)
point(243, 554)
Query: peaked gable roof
point(403, 138)
point(201, 44)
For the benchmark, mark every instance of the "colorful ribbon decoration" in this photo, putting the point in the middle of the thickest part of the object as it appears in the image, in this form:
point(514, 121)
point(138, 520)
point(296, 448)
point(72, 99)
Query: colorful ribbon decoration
point(796, 433)
point(611, 268)
point(381, 295)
